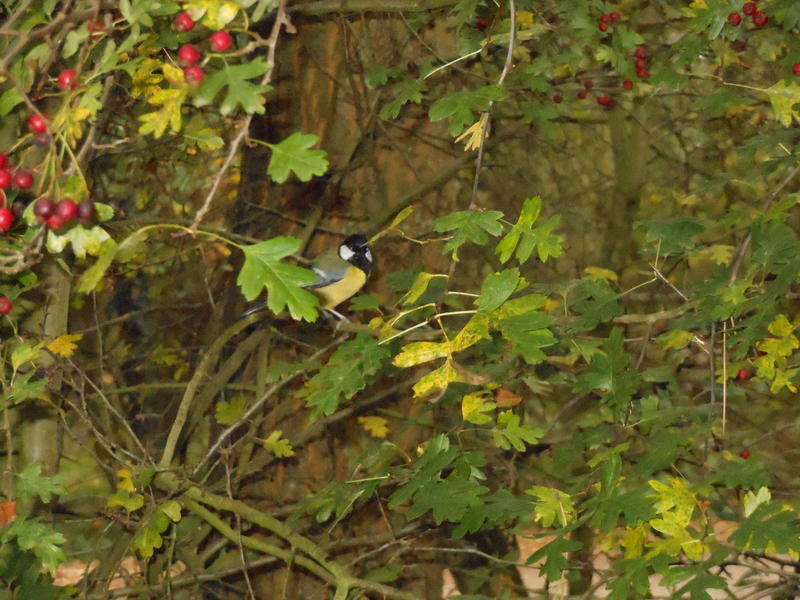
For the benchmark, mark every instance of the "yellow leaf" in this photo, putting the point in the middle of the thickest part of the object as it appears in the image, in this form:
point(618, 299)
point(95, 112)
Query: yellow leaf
point(418, 288)
point(675, 339)
point(476, 133)
point(601, 273)
point(64, 345)
point(126, 480)
point(780, 327)
point(474, 407)
point(435, 381)
point(633, 540)
point(525, 19)
point(376, 426)
point(700, 4)
point(279, 446)
point(420, 352)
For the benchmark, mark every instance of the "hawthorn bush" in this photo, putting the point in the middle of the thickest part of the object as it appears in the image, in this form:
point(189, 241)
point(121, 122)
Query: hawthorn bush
point(578, 355)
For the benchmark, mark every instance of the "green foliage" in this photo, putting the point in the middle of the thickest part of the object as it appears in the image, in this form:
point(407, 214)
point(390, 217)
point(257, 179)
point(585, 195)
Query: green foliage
point(469, 226)
point(262, 269)
point(293, 155)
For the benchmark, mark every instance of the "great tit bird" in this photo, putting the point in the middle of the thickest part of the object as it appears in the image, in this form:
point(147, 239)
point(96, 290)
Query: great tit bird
point(341, 272)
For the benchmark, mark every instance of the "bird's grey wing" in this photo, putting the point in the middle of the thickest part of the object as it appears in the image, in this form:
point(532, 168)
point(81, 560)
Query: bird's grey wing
point(325, 278)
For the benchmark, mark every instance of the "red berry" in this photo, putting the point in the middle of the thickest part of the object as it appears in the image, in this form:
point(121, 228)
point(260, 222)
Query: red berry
point(85, 211)
point(558, 98)
point(193, 75)
point(760, 19)
point(743, 375)
point(613, 16)
point(54, 222)
point(604, 18)
point(627, 84)
point(43, 208)
point(5, 305)
point(5, 179)
point(37, 123)
point(582, 94)
point(749, 8)
point(642, 73)
point(588, 84)
point(605, 100)
point(67, 79)
point(745, 454)
point(188, 55)
point(640, 63)
point(184, 22)
point(66, 210)
point(603, 26)
point(734, 19)
point(220, 40)
point(482, 24)
point(3, 160)
point(6, 219)
point(23, 180)
point(640, 52)
point(795, 70)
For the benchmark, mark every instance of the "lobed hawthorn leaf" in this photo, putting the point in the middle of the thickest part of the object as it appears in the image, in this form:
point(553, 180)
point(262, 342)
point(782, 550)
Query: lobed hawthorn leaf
point(460, 107)
point(510, 433)
point(294, 155)
point(409, 90)
point(31, 482)
point(448, 499)
point(769, 528)
point(610, 374)
point(40, 538)
point(554, 554)
point(469, 226)
point(347, 372)
point(785, 98)
point(262, 269)
point(674, 235)
point(499, 508)
point(523, 238)
point(596, 302)
point(240, 92)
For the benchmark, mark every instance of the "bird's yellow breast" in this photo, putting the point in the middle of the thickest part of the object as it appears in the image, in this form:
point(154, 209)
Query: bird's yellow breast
point(336, 293)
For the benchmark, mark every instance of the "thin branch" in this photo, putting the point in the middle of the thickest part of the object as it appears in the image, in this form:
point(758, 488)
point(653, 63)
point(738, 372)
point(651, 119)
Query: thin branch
point(281, 21)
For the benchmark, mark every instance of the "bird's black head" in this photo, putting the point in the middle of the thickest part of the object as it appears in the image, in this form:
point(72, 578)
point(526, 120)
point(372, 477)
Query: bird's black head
point(354, 250)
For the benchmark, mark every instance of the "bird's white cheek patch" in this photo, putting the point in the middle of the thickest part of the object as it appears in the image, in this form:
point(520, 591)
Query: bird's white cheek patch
point(345, 253)
point(368, 254)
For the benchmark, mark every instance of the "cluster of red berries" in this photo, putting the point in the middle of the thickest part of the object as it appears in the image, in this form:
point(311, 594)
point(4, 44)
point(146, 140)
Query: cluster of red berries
point(607, 18)
point(750, 9)
point(189, 55)
point(640, 56)
point(587, 85)
point(63, 212)
point(10, 175)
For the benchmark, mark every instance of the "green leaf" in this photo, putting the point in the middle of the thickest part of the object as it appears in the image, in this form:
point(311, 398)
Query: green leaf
point(509, 433)
point(469, 226)
point(412, 90)
point(262, 269)
point(529, 334)
point(770, 528)
point(8, 100)
point(610, 374)
point(523, 238)
point(30, 482)
point(227, 413)
point(31, 534)
point(554, 555)
point(674, 235)
point(240, 92)
point(500, 508)
point(347, 372)
point(785, 98)
point(146, 542)
point(449, 500)
point(460, 107)
point(497, 288)
point(91, 277)
point(596, 302)
point(294, 155)
point(438, 455)
point(171, 508)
